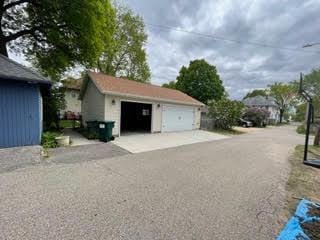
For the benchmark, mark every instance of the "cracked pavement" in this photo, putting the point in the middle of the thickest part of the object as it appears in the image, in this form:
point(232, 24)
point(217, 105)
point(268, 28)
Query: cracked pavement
point(227, 189)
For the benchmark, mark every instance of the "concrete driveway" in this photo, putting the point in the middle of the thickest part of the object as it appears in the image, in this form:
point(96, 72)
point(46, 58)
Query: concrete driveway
point(228, 189)
point(137, 143)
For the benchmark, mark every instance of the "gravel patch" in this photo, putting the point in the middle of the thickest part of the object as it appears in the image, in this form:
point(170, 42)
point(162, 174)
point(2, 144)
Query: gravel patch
point(85, 153)
point(18, 157)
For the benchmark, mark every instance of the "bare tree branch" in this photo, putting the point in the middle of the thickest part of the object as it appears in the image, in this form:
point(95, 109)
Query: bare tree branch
point(21, 33)
point(15, 3)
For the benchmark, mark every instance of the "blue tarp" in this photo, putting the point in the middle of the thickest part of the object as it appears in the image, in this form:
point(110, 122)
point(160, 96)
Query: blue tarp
point(293, 229)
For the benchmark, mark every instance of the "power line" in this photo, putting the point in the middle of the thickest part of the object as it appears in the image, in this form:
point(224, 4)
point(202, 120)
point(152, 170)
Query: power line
point(220, 38)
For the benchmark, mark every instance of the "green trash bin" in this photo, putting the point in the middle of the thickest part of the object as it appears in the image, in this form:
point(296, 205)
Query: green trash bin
point(105, 131)
point(92, 127)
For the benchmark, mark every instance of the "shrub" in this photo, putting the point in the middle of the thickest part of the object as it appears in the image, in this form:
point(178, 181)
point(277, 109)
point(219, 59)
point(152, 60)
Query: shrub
point(258, 116)
point(225, 113)
point(48, 139)
point(301, 129)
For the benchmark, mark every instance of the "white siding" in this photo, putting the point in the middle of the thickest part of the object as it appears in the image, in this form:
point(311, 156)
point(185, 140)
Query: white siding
point(93, 104)
point(156, 117)
point(112, 112)
point(197, 118)
point(73, 103)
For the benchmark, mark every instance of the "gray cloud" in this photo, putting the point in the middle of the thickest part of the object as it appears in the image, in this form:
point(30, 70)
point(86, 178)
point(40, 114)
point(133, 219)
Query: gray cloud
point(242, 67)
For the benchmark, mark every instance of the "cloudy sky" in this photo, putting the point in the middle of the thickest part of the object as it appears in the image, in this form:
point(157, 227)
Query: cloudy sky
point(287, 24)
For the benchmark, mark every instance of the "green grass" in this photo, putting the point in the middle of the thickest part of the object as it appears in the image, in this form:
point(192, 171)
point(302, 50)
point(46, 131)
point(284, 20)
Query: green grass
point(68, 123)
point(304, 181)
point(227, 131)
point(301, 129)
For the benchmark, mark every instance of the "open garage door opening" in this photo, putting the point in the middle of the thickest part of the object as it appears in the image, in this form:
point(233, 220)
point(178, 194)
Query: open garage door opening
point(135, 117)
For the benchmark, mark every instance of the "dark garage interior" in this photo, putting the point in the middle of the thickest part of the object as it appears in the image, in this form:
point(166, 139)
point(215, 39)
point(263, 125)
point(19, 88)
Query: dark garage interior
point(135, 117)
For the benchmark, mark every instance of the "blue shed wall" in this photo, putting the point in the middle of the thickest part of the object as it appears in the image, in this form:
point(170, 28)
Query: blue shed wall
point(20, 114)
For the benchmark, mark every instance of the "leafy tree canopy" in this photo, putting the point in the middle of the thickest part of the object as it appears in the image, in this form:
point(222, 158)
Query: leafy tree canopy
point(312, 83)
point(56, 34)
point(256, 92)
point(171, 84)
point(285, 96)
point(201, 81)
point(126, 56)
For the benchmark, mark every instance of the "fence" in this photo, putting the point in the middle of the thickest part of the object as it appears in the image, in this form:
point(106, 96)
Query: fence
point(206, 123)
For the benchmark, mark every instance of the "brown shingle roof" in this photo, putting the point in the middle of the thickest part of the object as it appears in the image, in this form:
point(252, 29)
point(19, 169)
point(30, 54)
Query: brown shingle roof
point(113, 85)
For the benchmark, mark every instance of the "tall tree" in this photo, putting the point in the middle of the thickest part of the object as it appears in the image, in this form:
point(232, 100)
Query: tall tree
point(201, 81)
point(256, 92)
point(171, 84)
point(285, 96)
point(126, 56)
point(56, 34)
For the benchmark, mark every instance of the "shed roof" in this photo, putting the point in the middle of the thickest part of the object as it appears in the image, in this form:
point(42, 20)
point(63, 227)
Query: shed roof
point(120, 86)
point(11, 70)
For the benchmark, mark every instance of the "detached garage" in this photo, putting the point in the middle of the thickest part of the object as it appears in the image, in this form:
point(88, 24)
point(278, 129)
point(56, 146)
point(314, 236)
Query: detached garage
point(137, 107)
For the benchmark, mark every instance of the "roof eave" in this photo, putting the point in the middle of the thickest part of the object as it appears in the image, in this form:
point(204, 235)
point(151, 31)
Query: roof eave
point(152, 98)
point(44, 82)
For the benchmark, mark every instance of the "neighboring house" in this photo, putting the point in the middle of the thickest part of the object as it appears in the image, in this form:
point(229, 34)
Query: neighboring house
point(267, 103)
point(137, 107)
point(73, 104)
point(21, 92)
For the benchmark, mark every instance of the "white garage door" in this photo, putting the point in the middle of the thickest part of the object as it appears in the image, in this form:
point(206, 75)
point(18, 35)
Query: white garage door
point(177, 118)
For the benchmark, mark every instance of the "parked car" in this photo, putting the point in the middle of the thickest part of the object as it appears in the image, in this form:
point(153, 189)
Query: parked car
point(245, 123)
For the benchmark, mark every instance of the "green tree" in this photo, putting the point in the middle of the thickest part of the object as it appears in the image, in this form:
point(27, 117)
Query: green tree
point(171, 84)
point(256, 92)
point(52, 104)
point(126, 56)
point(285, 96)
point(56, 34)
point(225, 112)
point(201, 81)
point(312, 83)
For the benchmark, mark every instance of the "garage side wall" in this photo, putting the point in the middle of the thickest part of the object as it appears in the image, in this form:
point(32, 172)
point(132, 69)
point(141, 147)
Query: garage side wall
point(93, 104)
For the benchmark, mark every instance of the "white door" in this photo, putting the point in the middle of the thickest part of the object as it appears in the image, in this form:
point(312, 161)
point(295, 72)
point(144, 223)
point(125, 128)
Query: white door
point(177, 118)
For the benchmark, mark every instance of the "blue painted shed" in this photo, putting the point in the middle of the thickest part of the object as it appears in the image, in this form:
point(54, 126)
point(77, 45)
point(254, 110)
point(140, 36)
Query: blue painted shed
point(21, 92)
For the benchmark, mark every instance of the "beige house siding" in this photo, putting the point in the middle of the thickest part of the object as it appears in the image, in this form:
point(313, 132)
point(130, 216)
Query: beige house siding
point(93, 104)
point(73, 103)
